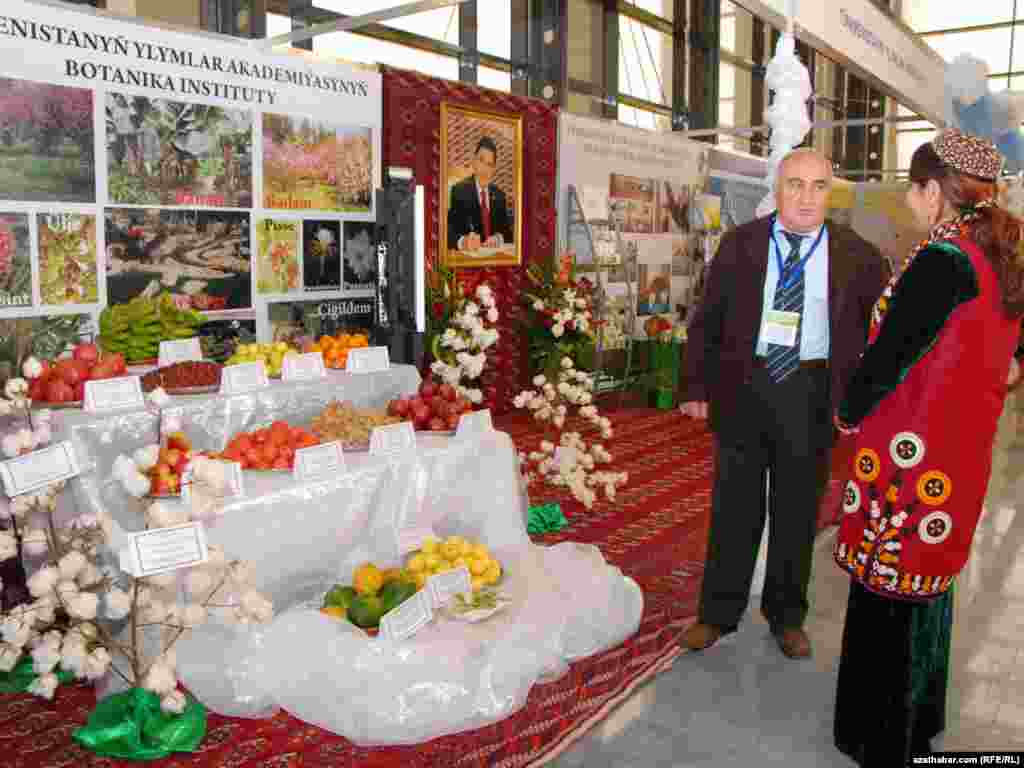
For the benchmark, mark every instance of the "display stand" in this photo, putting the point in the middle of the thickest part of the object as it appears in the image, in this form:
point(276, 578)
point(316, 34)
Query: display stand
point(603, 246)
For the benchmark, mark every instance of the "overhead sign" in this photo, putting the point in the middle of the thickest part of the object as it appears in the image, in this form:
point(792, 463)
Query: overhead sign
point(864, 39)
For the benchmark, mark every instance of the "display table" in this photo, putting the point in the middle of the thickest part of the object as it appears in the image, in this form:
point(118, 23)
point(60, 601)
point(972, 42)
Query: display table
point(566, 602)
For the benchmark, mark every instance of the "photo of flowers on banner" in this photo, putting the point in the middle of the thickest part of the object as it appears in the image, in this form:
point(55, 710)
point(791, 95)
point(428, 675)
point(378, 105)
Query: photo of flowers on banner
point(296, 322)
point(46, 143)
point(277, 249)
point(359, 255)
point(321, 255)
point(315, 165)
point(203, 258)
point(15, 266)
point(67, 259)
point(162, 152)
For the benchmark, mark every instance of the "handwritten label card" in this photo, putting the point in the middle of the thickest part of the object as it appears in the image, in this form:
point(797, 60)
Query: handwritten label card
point(408, 618)
point(243, 377)
point(179, 351)
point(24, 474)
point(113, 394)
point(305, 367)
point(319, 461)
point(164, 549)
point(393, 438)
point(474, 424)
point(444, 586)
point(367, 360)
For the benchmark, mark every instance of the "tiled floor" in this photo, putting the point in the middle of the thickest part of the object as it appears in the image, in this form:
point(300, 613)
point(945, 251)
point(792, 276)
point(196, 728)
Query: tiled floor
point(743, 703)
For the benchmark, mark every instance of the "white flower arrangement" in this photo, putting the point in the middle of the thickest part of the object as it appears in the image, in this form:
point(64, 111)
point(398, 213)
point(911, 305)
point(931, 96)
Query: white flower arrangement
point(89, 619)
point(461, 349)
point(572, 463)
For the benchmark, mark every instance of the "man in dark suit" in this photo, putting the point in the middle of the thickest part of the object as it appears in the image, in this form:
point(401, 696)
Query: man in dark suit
point(782, 323)
point(478, 211)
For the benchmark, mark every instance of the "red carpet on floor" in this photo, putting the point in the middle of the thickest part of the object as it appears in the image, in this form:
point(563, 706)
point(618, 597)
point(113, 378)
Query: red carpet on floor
point(655, 531)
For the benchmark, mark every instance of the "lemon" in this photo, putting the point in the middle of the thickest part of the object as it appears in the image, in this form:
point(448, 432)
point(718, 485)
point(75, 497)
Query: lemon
point(478, 583)
point(391, 574)
point(493, 572)
point(429, 546)
point(432, 562)
point(334, 611)
point(450, 550)
point(420, 580)
point(460, 561)
point(480, 551)
point(478, 567)
point(367, 579)
point(466, 548)
point(417, 563)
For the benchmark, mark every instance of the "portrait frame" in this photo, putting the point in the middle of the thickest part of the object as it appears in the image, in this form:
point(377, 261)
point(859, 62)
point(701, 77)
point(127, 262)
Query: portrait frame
point(461, 130)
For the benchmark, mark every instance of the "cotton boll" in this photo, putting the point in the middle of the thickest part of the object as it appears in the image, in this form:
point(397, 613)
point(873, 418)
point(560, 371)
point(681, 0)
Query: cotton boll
point(155, 612)
point(118, 604)
point(89, 575)
point(83, 605)
point(193, 615)
point(66, 589)
point(44, 686)
point(43, 581)
point(160, 679)
point(146, 458)
point(8, 546)
point(97, 664)
point(257, 606)
point(44, 609)
point(173, 703)
point(243, 574)
point(163, 580)
point(161, 515)
point(71, 565)
point(45, 658)
point(9, 657)
point(122, 468)
point(198, 582)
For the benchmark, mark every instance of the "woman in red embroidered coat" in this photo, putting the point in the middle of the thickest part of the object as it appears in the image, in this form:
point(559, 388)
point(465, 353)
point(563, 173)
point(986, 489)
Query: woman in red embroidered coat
point(924, 402)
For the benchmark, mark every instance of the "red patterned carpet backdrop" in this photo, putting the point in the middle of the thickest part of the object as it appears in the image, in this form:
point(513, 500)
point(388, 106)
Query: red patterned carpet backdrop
point(412, 139)
point(655, 532)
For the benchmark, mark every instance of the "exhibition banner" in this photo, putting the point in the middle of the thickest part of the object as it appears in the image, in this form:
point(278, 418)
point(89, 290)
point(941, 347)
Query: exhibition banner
point(647, 186)
point(137, 161)
point(870, 42)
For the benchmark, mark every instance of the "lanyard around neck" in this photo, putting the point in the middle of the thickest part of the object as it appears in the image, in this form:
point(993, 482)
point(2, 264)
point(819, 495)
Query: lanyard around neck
point(797, 269)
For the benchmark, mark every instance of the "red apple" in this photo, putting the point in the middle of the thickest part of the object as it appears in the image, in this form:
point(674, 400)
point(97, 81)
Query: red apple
point(119, 364)
point(179, 441)
point(160, 486)
point(57, 391)
point(69, 372)
point(416, 403)
point(441, 408)
point(438, 425)
point(78, 392)
point(427, 389)
point(179, 468)
point(37, 389)
point(86, 353)
point(402, 408)
point(447, 391)
point(453, 421)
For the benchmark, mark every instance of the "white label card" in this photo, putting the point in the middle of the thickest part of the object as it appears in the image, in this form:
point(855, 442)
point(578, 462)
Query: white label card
point(319, 461)
point(393, 438)
point(160, 550)
point(411, 539)
point(305, 367)
point(113, 394)
point(367, 360)
point(179, 351)
point(407, 619)
point(444, 586)
point(474, 424)
point(780, 327)
point(32, 471)
point(243, 377)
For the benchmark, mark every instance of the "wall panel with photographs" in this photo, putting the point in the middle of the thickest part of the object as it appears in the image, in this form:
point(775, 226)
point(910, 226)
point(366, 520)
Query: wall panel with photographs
point(137, 161)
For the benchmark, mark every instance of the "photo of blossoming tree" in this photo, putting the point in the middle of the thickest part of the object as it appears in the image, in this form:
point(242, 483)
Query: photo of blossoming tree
point(314, 165)
point(162, 152)
point(67, 258)
point(46, 142)
point(15, 266)
point(277, 249)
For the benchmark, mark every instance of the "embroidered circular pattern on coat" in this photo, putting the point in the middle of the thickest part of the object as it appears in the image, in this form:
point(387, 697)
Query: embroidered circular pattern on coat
point(935, 528)
point(934, 487)
point(867, 465)
point(851, 497)
point(907, 450)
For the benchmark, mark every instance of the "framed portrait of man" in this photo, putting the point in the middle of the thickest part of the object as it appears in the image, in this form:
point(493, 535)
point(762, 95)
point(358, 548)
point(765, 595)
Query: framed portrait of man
point(481, 187)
